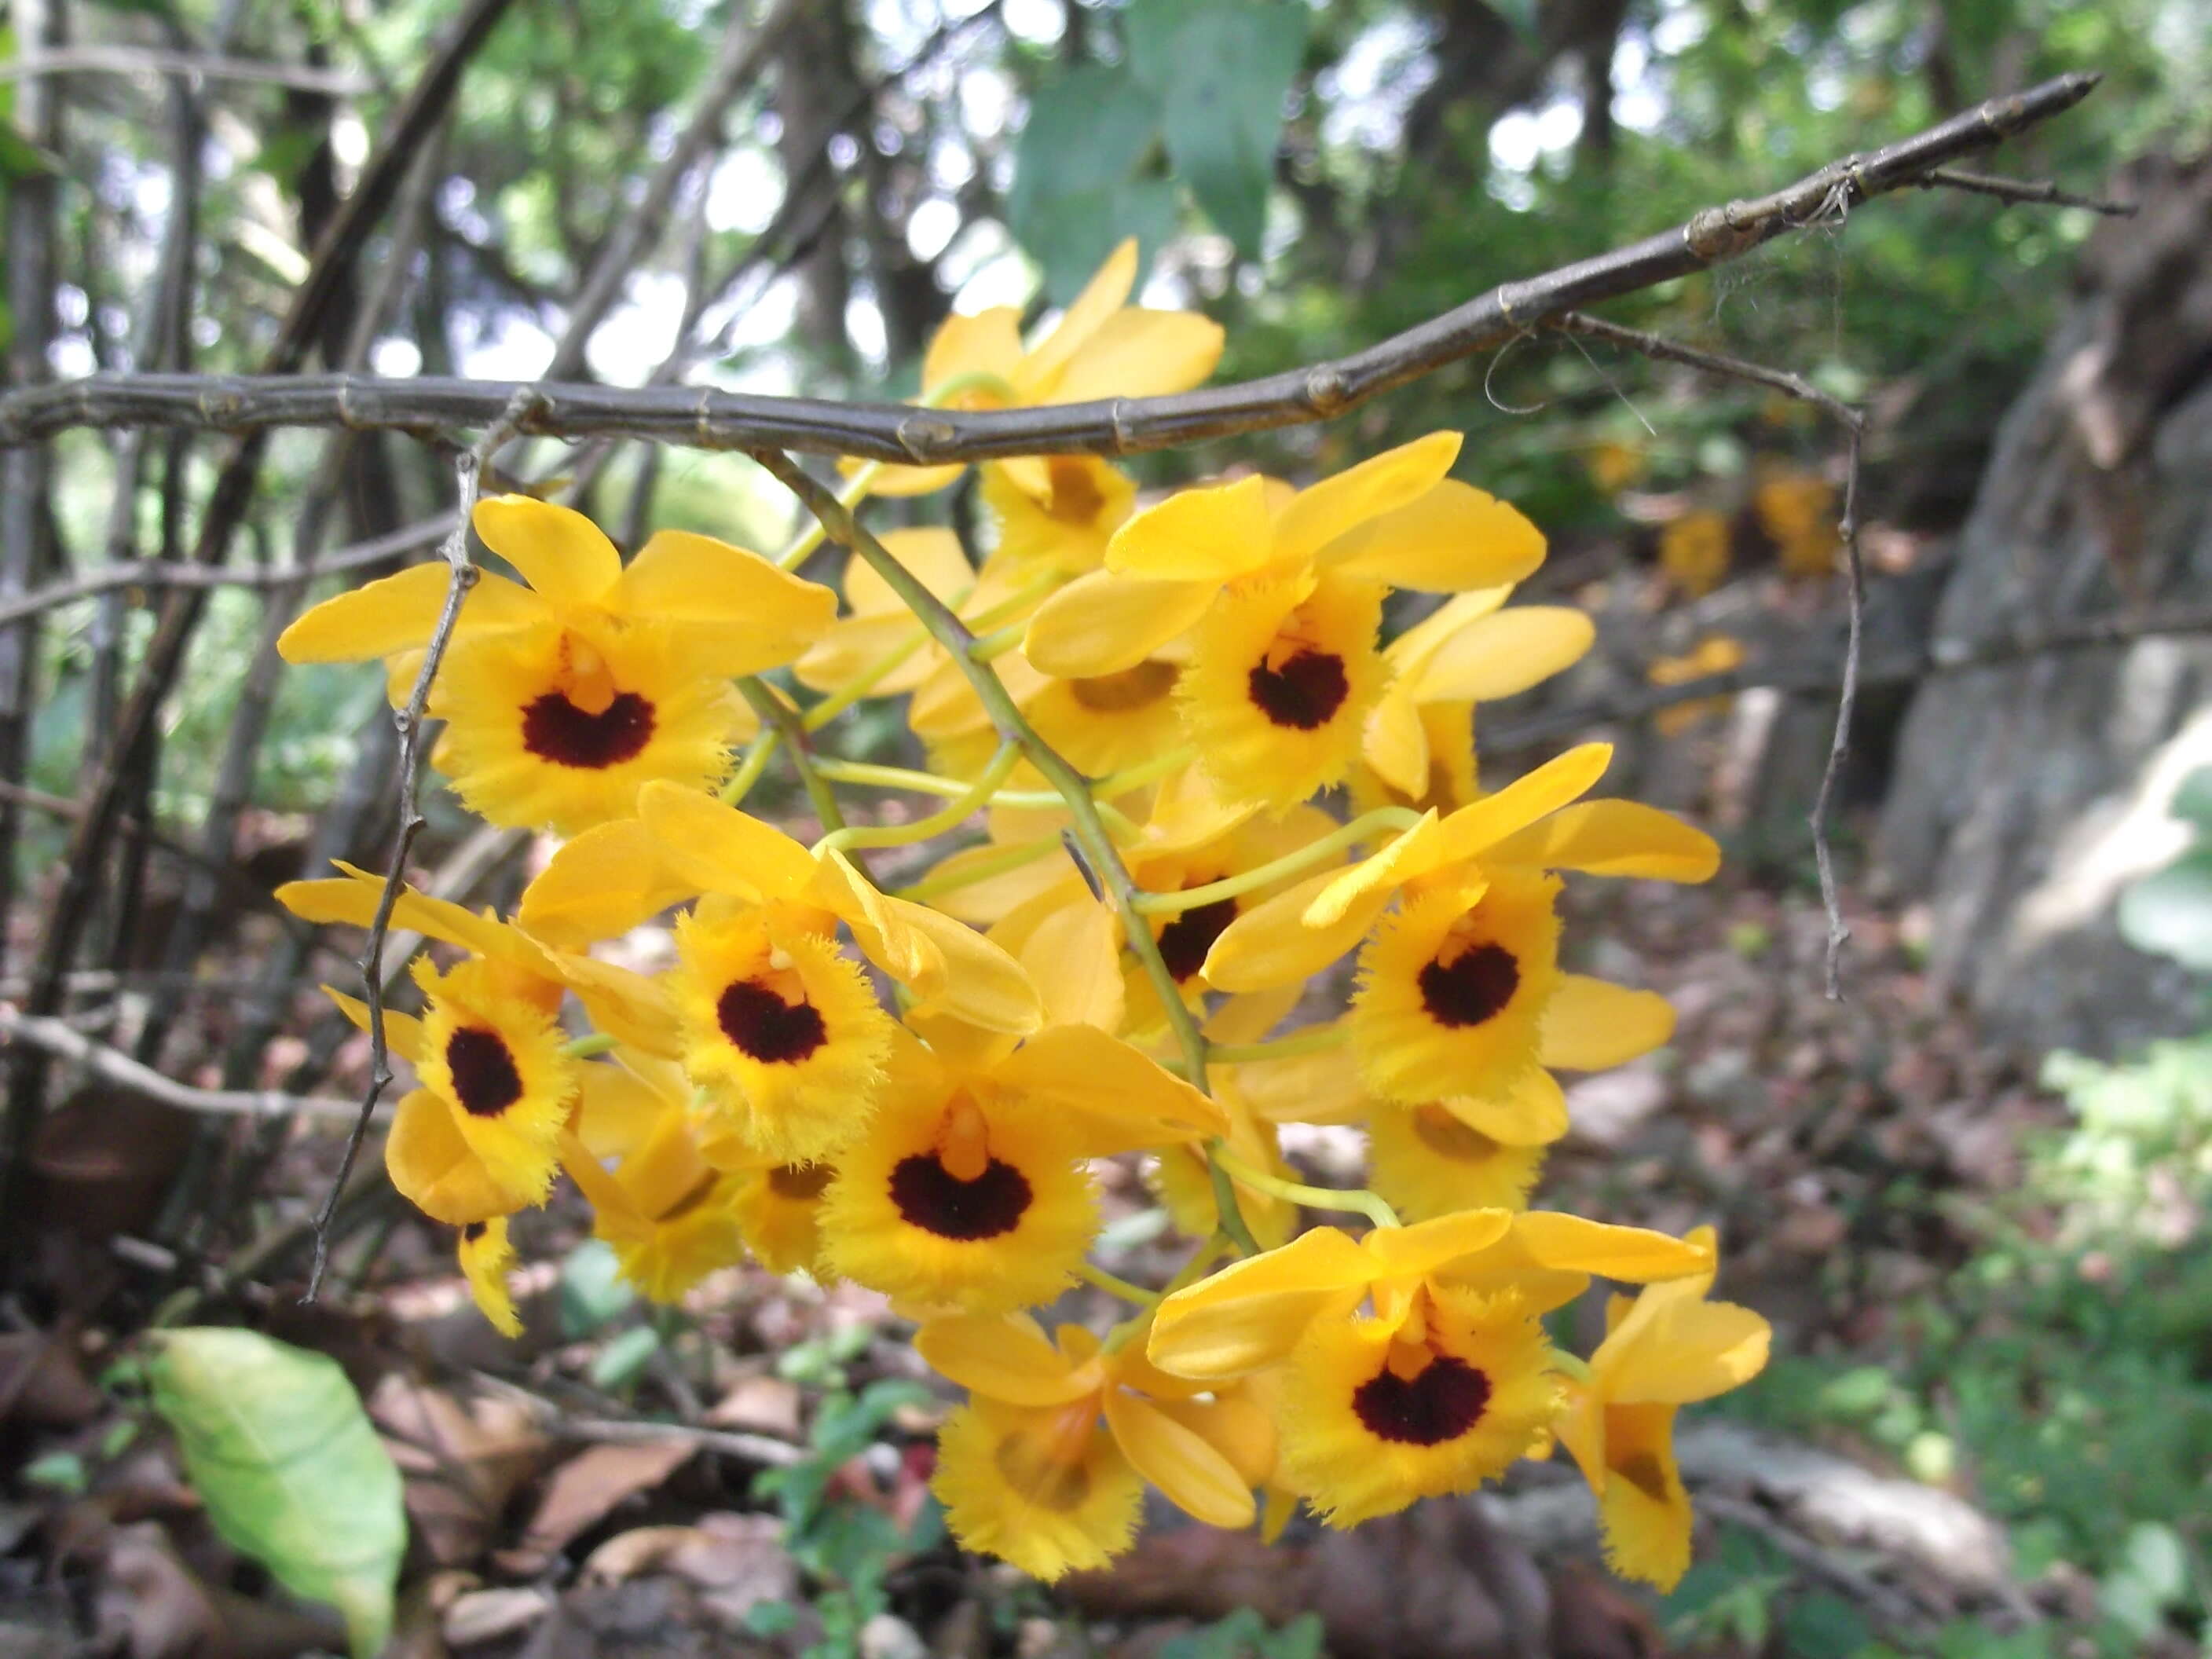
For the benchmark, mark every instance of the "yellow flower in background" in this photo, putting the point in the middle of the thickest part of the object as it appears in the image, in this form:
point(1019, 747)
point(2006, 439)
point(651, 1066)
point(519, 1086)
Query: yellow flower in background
point(1066, 526)
point(1417, 747)
point(1717, 654)
point(969, 1189)
point(486, 1256)
point(1428, 1160)
point(1046, 1465)
point(1100, 347)
point(1694, 551)
point(1614, 465)
point(1668, 1348)
point(779, 1211)
point(1798, 511)
point(1280, 594)
point(561, 697)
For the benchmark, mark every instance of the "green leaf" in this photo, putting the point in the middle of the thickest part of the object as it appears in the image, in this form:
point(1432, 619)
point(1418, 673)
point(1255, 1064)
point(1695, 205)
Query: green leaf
point(618, 1364)
point(2169, 912)
point(276, 1442)
point(1221, 71)
point(2193, 799)
point(593, 1291)
point(1079, 185)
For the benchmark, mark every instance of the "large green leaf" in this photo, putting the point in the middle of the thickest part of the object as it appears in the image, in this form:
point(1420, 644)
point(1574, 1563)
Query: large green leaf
point(1080, 183)
point(2169, 912)
point(276, 1442)
point(1221, 70)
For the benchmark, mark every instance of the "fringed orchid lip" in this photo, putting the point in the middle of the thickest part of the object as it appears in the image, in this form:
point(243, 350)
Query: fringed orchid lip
point(800, 1181)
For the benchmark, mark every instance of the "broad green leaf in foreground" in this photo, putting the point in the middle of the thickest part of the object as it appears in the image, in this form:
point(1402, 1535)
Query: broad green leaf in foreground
point(276, 1442)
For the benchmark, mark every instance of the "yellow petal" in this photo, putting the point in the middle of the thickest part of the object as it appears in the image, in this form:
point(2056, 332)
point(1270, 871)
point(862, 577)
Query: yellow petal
point(933, 553)
point(1069, 945)
point(1317, 1088)
point(1450, 539)
point(398, 612)
point(1006, 1357)
point(1635, 1254)
point(1431, 1246)
point(1189, 1473)
point(600, 885)
point(760, 616)
point(354, 900)
point(1590, 1024)
point(1214, 532)
point(1252, 1313)
point(562, 553)
point(1270, 945)
point(911, 480)
point(433, 1167)
point(1113, 1097)
point(718, 849)
point(1693, 1351)
point(849, 648)
point(1472, 831)
point(988, 343)
point(1101, 624)
point(403, 1033)
point(962, 975)
point(1614, 838)
point(1318, 515)
point(1506, 652)
point(1533, 1112)
point(1416, 853)
point(1141, 353)
point(1414, 647)
point(1101, 298)
point(1396, 742)
point(1250, 1017)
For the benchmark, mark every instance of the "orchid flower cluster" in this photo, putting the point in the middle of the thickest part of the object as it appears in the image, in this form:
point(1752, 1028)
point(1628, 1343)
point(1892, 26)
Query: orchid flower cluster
point(909, 1086)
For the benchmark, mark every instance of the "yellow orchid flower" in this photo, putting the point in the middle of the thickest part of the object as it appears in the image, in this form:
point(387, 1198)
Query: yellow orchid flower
point(563, 696)
point(1281, 592)
point(1046, 1465)
point(1694, 551)
point(1447, 1380)
point(1100, 347)
point(1417, 747)
point(777, 1022)
point(1668, 1348)
point(1066, 527)
point(1716, 653)
point(970, 1188)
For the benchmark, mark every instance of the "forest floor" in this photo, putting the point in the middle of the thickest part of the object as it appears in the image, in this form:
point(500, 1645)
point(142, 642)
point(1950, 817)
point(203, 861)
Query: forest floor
point(1984, 1432)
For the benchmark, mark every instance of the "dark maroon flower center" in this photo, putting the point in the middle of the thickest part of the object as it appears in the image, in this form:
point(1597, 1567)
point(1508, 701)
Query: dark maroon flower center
point(1642, 1472)
point(799, 1181)
point(1185, 941)
point(484, 1075)
point(473, 1231)
point(554, 729)
point(1472, 986)
point(1440, 1403)
point(933, 1198)
point(764, 1025)
point(1304, 692)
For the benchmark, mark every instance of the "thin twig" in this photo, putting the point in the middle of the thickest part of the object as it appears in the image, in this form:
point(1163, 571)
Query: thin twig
point(1888, 1607)
point(2034, 192)
point(152, 60)
point(899, 434)
point(468, 469)
point(1846, 701)
point(65, 1042)
point(1712, 362)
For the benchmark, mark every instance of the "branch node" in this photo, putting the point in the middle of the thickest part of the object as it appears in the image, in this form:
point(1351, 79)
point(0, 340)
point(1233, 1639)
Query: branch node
point(922, 435)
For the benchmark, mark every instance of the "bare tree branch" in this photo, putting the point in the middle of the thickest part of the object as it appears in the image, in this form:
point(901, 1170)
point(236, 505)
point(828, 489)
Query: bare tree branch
point(2022, 190)
point(898, 433)
point(65, 1042)
point(151, 60)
